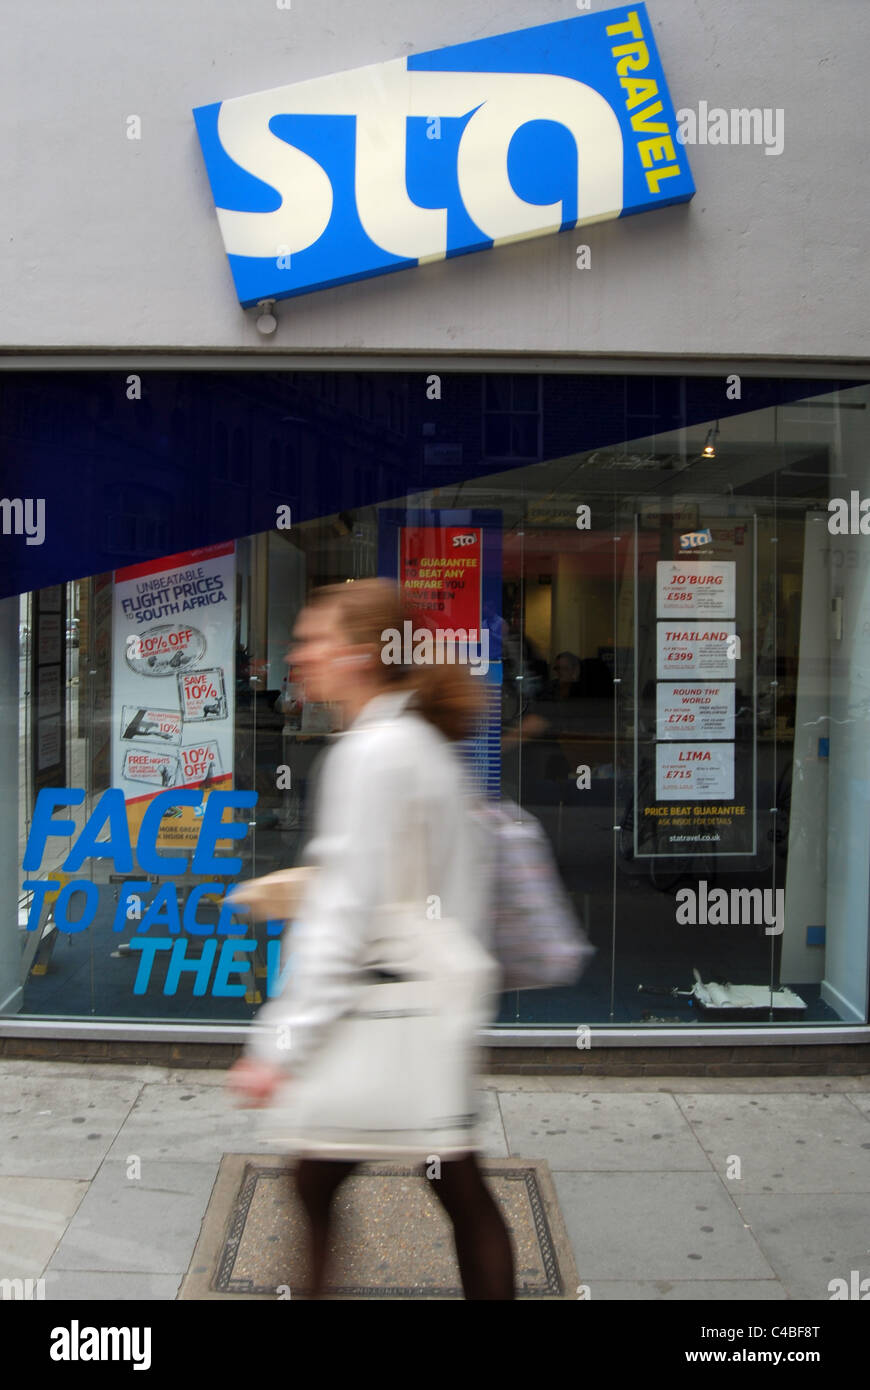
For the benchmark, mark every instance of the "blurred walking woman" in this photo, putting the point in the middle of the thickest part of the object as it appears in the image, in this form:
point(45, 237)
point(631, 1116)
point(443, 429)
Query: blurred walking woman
point(390, 826)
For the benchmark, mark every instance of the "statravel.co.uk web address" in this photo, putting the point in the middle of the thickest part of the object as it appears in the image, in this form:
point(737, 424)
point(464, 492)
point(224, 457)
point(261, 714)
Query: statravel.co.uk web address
point(672, 838)
point(746, 1354)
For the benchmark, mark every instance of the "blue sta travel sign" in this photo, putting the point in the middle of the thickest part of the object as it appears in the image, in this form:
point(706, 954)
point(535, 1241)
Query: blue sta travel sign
point(462, 149)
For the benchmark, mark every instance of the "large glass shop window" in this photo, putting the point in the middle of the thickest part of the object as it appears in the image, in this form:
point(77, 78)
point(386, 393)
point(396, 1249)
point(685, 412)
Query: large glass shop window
point(667, 582)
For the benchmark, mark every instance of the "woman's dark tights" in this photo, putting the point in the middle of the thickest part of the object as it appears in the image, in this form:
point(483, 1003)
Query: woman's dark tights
point(483, 1245)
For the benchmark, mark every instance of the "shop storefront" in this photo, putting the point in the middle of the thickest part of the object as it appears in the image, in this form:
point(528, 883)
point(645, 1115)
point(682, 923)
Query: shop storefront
point(664, 553)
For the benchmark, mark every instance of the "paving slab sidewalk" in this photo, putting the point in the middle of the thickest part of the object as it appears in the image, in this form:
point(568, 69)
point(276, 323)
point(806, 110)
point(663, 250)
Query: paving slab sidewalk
point(681, 1188)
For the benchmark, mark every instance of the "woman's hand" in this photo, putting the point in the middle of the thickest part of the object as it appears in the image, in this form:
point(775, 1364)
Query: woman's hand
point(253, 1082)
point(275, 897)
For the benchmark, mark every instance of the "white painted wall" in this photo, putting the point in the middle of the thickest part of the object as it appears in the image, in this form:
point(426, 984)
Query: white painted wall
point(113, 243)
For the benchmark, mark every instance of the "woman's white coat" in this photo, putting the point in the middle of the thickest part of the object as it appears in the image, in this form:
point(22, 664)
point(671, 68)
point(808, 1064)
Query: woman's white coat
point(391, 825)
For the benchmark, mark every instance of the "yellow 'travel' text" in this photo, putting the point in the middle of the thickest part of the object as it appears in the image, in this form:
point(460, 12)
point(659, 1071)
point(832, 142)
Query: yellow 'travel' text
point(634, 58)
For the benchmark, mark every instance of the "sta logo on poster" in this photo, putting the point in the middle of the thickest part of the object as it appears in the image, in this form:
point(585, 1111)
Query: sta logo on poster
point(461, 149)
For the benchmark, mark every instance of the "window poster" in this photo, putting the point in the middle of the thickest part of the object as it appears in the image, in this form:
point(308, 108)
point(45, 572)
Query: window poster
point(448, 566)
point(440, 571)
point(173, 682)
point(699, 771)
point(695, 709)
point(695, 588)
point(695, 649)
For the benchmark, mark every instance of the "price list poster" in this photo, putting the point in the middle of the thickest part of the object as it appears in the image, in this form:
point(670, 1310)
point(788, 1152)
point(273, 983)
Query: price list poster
point(694, 780)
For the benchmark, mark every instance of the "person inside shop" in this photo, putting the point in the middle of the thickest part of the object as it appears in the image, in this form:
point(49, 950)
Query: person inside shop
point(566, 683)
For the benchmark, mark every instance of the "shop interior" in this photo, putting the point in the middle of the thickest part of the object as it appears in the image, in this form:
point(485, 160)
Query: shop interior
point(574, 731)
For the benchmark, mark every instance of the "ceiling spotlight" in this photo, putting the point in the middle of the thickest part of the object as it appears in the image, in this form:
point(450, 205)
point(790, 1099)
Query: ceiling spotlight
point(709, 449)
point(267, 322)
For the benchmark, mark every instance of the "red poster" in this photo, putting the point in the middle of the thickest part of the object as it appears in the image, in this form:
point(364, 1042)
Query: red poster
point(440, 574)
